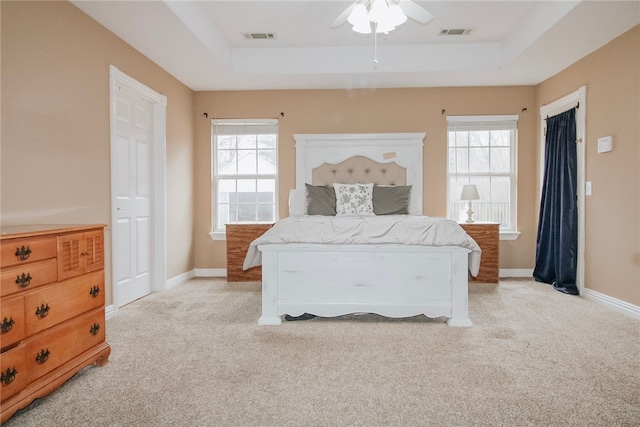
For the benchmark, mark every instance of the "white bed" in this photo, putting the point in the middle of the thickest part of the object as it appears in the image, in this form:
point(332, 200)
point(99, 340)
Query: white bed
point(322, 275)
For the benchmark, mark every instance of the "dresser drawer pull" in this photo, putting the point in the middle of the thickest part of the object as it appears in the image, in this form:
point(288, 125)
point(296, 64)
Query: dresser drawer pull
point(7, 377)
point(23, 280)
point(94, 329)
point(23, 253)
point(95, 291)
point(7, 324)
point(43, 356)
point(42, 311)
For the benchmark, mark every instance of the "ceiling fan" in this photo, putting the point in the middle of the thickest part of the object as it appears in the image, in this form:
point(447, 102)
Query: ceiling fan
point(363, 13)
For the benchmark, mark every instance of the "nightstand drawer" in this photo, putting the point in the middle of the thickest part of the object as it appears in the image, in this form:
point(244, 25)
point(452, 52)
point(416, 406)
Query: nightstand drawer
point(239, 237)
point(487, 236)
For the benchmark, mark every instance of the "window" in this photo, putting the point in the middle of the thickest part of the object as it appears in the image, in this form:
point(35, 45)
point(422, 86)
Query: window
point(482, 151)
point(245, 172)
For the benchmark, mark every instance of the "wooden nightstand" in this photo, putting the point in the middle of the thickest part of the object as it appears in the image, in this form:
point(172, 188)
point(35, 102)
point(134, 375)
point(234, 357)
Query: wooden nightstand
point(487, 236)
point(239, 237)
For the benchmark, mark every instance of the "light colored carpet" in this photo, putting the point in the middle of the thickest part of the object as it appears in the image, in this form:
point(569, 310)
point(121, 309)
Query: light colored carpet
point(195, 356)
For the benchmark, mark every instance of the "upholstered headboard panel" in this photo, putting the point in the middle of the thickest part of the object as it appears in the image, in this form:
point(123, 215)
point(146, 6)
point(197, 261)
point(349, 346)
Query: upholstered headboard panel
point(359, 169)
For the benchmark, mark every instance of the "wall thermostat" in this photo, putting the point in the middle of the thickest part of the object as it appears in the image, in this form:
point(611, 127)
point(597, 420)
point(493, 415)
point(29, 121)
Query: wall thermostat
point(605, 144)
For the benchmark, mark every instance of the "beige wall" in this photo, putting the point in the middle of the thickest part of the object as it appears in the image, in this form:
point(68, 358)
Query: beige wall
point(382, 110)
point(55, 138)
point(612, 220)
point(55, 165)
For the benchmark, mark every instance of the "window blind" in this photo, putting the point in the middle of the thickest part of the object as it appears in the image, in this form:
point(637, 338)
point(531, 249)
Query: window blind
point(240, 127)
point(471, 123)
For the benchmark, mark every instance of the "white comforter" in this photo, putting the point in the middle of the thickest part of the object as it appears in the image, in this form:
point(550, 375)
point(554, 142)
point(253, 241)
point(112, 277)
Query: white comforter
point(383, 229)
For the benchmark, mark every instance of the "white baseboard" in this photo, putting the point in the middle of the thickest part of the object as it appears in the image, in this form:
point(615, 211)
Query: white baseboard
point(211, 272)
point(109, 312)
point(516, 272)
point(610, 302)
point(613, 303)
point(180, 279)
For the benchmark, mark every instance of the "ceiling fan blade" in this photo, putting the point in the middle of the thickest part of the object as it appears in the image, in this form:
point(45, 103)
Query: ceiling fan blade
point(342, 18)
point(415, 11)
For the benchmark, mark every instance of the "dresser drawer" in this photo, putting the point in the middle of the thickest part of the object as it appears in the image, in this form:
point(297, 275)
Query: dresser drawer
point(13, 368)
point(28, 276)
point(12, 320)
point(64, 342)
point(22, 251)
point(54, 304)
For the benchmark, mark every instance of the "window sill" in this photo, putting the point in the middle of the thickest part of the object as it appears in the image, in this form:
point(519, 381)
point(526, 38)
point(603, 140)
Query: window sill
point(509, 235)
point(218, 235)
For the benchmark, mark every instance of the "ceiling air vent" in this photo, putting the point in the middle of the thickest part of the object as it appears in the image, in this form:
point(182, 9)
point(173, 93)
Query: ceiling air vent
point(455, 32)
point(259, 36)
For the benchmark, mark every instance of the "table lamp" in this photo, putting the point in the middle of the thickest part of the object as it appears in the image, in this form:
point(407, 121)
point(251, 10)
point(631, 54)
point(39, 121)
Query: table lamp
point(469, 193)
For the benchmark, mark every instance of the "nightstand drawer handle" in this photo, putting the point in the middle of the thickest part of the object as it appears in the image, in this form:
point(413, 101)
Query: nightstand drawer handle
point(23, 253)
point(7, 377)
point(7, 324)
point(43, 356)
point(23, 280)
point(94, 329)
point(42, 311)
point(95, 291)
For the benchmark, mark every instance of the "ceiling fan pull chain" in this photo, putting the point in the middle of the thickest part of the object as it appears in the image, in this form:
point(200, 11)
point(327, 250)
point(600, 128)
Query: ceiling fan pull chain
point(375, 47)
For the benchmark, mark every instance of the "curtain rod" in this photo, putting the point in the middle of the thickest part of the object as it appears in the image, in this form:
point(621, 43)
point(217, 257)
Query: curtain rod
point(206, 115)
point(576, 107)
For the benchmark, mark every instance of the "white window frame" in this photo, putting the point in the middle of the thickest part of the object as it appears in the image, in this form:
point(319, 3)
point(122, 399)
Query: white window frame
point(220, 233)
point(484, 123)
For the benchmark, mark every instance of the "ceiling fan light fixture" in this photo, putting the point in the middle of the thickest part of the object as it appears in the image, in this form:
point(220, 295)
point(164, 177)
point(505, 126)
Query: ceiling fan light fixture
point(396, 16)
point(384, 27)
point(386, 15)
point(362, 28)
point(378, 11)
point(359, 15)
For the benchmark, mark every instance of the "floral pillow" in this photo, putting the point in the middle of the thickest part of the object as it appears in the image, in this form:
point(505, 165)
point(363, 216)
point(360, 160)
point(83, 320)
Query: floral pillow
point(354, 199)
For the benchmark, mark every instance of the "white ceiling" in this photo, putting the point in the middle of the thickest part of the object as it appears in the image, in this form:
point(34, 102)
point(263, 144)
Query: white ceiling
point(201, 43)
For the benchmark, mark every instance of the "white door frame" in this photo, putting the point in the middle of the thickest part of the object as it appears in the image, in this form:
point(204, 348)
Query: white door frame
point(579, 97)
point(158, 178)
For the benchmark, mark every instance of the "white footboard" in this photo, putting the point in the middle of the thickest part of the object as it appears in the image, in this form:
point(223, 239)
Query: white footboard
point(390, 280)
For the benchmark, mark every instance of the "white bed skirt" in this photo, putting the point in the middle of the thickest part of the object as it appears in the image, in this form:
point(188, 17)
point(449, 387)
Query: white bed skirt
point(389, 280)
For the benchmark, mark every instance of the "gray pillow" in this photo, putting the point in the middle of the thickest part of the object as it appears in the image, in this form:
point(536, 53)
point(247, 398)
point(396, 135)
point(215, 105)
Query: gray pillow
point(321, 200)
point(391, 200)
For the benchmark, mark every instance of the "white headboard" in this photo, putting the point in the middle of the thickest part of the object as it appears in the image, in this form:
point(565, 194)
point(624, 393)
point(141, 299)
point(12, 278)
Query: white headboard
point(405, 149)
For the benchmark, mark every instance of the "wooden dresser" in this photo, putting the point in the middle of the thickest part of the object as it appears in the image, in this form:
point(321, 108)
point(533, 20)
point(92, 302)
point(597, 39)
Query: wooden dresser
point(487, 236)
point(239, 237)
point(51, 309)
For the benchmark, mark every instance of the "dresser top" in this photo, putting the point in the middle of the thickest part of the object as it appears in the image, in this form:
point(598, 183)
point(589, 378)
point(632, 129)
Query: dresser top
point(29, 230)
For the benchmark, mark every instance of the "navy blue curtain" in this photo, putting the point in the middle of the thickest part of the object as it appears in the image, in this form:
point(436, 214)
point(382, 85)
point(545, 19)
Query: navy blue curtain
point(557, 242)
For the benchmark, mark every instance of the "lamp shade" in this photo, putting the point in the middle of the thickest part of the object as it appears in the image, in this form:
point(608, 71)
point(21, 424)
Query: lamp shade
point(469, 192)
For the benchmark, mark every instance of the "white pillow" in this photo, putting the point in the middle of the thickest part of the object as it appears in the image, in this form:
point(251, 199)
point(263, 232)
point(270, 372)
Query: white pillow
point(297, 202)
point(354, 199)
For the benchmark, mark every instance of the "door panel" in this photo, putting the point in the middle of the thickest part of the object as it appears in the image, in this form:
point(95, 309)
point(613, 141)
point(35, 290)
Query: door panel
point(133, 190)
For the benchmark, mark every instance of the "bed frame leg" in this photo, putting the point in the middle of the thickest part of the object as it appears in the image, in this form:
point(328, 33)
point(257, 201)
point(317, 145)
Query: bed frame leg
point(459, 292)
point(269, 291)
point(269, 321)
